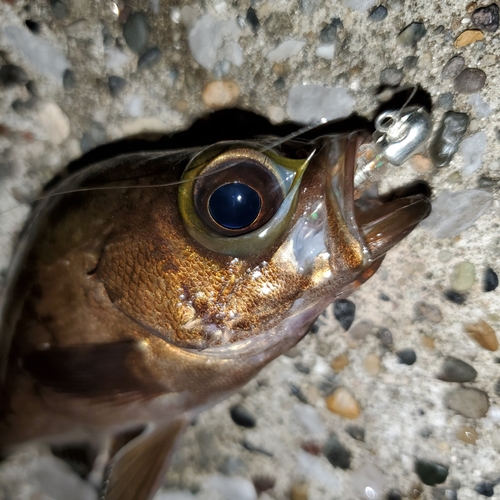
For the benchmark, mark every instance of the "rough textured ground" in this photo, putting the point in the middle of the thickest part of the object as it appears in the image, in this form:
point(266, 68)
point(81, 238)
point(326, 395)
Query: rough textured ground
point(63, 103)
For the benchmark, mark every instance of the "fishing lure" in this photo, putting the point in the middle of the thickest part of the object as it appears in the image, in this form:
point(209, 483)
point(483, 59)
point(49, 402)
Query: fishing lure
point(149, 287)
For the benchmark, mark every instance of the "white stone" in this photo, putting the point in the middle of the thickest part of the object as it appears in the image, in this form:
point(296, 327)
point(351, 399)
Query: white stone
point(472, 149)
point(453, 213)
point(232, 488)
point(369, 482)
point(231, 52)
point(360, 5)
point(115, 59)
point(494, 165)
point(314, 469)
point(275, 114)
point(207, 38)
point(481, 108)
point(135, 106)
point(54, 122)
point(310, 420)
point(285, 50)
point(42, 55)
point(326, 51)
point(314, 103)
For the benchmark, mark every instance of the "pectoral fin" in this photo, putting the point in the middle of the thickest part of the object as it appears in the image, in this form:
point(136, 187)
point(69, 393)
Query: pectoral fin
point(137, 470)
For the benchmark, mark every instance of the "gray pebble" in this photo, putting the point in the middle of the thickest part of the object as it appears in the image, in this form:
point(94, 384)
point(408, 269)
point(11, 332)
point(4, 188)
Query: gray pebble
point(344, 311)
point(68, 80)
point(11, 75)
point(485, 488)
point(443, 493)
point(424, 311)
point(116, 85)
point(456, 370)
point(469, 402)
point(452, 68)
point(33, 26)
point(469, 81)
point(95, 136)
point(385, 337)
point(407, 356)
point(431, 472)
point(378, 14)
point(486, 18)
point(453, 213)
point(356, 432)
point(445, 143)
point(490, 281)
point(60, 9)
point(410, 62)
point(487, 183)
point(149, 58)
point(329, 33)
point(242, 416)
point(136, 31)
point(445, 101)
point(411, 35)
point(473, 149)
point(361, 329)
point(252, 19)
point(391, 77)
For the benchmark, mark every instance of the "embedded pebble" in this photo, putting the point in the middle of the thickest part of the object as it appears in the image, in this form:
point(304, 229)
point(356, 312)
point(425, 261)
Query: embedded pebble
point(483, 334)
point(329, 33)
point(310, 420)
point(359, 5)
point(485, 488)
point(68, 80)
point(424, 311)
point(253, 19)
point(444, 256)
point(463, 277)
point(430, 472)
point(456, 370)
point(445, 101)
point(361, 329)
point(343, 403)
point(372, 364)
point(391, 77)
point(428, 342)
point(468, 401)
point(486, 18)
point(447, 139)
point(420, 163)
point(312, 103)
point(490, 280)
point(208, 37)
point(467, 435)
point(42, 55)
point(220, 94)
point(344, 311)
point(232, 488)
point(286, 50)
point(385, 337)
point(336, 453)
point(411, 34)
point(149, 58)
point(242, 416)
point(497, 387)
point(469, 81)
point(495, 438)
point(55, 122)
point(326, 51)
point(356, 432)
point(452, 68)
point(410, 62)
point(116, 85)
point(378, 14)
point(467, 37)
point(299, 491)
point(136, 31)
point(384, 297)
point(11, 75)
point(455, 297)
point(472, 149)
point(263, 483)
point(407, 356)
point(453, 213)
point(339, 363)
point(481, 107)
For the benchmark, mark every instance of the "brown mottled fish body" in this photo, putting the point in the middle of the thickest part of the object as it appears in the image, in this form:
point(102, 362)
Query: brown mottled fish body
point(125, 310)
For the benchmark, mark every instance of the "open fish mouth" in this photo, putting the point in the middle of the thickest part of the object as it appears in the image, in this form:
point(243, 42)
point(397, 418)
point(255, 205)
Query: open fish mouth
point(376, 224)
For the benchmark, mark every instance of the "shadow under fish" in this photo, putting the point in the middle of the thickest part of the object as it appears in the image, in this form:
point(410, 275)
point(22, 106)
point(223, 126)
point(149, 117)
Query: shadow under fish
point(148, 286)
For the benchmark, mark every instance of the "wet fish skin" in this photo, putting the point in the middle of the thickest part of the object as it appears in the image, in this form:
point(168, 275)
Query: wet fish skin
point(117, 319)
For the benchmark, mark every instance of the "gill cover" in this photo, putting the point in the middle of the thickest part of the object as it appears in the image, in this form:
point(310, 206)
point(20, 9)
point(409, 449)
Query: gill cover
point(236, 200)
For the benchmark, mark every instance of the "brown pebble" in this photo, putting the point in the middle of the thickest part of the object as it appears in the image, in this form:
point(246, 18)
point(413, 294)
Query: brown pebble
point(339, 363)
point(181, 105)
point(220, 94)
point(468, 37)
point(471, 7)
point(372, 364)
point(483, 334)
point(420, 163)
point(279, 69)
point(343, 403)
point(428, 342)
point(299, 491)
point(467, 435)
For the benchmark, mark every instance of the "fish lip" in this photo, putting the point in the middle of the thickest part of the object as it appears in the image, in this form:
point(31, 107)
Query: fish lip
point(382, 225)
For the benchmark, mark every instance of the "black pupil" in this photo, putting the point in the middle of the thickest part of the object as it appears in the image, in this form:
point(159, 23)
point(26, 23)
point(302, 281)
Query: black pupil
point(234, 206)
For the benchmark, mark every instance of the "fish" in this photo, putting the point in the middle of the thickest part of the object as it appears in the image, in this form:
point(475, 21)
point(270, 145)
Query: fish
point(150, 286)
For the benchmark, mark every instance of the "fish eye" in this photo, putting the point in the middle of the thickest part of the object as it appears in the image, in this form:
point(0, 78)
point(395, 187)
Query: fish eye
point(237, 200)
point(238, 192)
